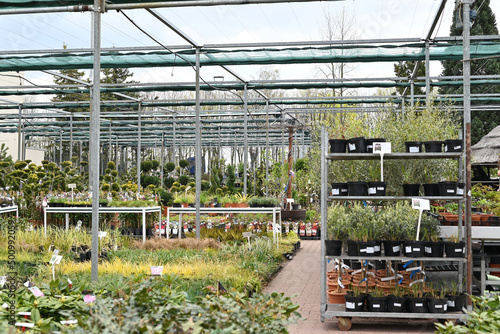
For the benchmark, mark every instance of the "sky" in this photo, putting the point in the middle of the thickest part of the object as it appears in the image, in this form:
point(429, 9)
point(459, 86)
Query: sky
point(231, 24)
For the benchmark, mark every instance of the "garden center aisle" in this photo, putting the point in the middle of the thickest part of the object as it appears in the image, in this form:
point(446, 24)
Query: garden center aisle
point(301, 277)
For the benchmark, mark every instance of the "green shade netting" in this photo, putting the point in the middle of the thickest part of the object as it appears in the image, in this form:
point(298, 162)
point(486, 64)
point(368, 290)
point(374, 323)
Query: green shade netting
point(212, 57)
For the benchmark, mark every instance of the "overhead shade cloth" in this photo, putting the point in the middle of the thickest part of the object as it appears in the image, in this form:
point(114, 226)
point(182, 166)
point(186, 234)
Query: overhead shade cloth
point(216, 57)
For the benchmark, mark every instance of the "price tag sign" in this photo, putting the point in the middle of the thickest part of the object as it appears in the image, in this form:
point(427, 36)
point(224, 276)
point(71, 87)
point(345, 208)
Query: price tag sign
point(102, 234)
point(56, 259)
point(156, 270)
point(71, 185)
point(89, 298)
point(420, 204)
point(382, 148)
point(36, 291)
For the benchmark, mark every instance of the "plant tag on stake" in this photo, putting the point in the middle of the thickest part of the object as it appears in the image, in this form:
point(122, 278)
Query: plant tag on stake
point(56, 259)
point(2, 280)
point(36, 291)
point(339, 280)
point(421, 205)
point(156, 270)
point(381, 149)
point(56, 251)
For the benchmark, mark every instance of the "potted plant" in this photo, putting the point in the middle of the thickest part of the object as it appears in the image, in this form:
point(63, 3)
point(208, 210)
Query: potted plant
point(337, 223)
point(376, 301)
point(431, 187)
point(355, 299)
point(416, 302)
point(436, 301)
point(454, 247)
point(375, 188)
point(455, 299)
point(433, 145)
point(396, 302)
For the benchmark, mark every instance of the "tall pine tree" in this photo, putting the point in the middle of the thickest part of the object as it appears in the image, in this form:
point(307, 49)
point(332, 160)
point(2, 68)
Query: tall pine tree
point(483, 121)
point(404, 69)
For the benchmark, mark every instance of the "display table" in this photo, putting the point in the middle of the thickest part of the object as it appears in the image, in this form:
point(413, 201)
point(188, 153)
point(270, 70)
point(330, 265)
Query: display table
point(12, 208)
point(274, 211)
point(68, 210)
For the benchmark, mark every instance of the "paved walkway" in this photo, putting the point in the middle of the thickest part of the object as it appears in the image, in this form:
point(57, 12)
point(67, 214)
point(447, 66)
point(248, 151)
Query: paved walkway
point(301, 277)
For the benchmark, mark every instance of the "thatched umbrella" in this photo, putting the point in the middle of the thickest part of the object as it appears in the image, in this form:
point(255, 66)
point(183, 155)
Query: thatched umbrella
point(486, 151)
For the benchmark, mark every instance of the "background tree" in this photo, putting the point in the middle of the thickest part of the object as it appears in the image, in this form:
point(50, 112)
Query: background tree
point(404, 69)
point(483, 121)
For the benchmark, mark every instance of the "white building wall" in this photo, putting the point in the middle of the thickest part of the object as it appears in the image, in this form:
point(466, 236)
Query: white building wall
point(11, 139)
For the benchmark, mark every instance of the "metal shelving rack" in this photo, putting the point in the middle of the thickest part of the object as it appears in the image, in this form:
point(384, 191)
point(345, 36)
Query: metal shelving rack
point(329, 311)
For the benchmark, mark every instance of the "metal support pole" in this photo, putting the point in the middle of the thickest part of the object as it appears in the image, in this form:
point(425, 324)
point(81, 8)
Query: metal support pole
point(245, 135)
point(71, 137)
point(412, 93)
point(94, 136)
point(109, 144)
point(60, 147)
point(174, 143)
point(197, 158)
point(161, 157)
point(267, 147)
point(467, 122)
point(324, 181)
point(427, 73)
point(138, 149)
point(19, 141)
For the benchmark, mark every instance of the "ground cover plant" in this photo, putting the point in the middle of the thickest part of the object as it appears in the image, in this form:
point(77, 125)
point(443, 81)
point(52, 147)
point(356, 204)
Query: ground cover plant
point(189, 265)
point(152, 305)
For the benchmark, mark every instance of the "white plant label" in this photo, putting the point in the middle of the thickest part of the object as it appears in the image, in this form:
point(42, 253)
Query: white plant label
point(451, 303)
point(428, 250)
point(156, 270)
point(396, 249)
point(352, 147)
point(350, 305)
point(2, 280)
point(335, 192)
point(397, 304)
point(438, 306)
point(420, 204)
point(56, 259)
point(103, 234)
point(384, 279)
point(382, 147)
point(56, 251)
point(372, 191)
point(36, 291)
point(414, 268)
point(419, 304)
point(340, 283)
point(414, 149)
point(5, 305)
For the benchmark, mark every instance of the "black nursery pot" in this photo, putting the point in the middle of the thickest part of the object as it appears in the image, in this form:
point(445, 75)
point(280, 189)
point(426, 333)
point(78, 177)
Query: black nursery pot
point(433, 146)
point(377, 188)
point(434, 249)
point(333, 247)
point(413, 248)
point(396, 304)
point(376, 304)
point(417, 305)
point(366, 248)
point(352, 248)
point(437, 305)
point(413, 146)
point(356, 145)
point(339, 189)
point(456, 302)
point(453, 145)
point(354, 303)
point(448, 188)
point(338, 145)
point(431, 189)
point(369, 143)
point(411, 189)
point(357, 188)
point(454, 249)
point(392, 248)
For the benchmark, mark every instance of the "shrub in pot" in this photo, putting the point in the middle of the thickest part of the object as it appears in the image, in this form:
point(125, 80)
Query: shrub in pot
point(454, 247)
point(376, 301)
point(355, 300)
point(337, 227)
point(436, 301)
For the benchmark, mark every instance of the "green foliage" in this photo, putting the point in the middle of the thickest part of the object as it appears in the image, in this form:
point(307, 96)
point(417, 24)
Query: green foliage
point(170, 166)
point(484, 318)
point(183, 180)
point(111, 165)
point(155, 164)
point(205, 185)
point(301, 164)
point(482, 121)
point(146, 166)
point(168, 182)
point(263, 202)
point(166, 198)
point(183, 163)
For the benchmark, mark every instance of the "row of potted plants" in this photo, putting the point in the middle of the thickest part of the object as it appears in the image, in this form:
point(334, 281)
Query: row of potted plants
point(378, 188)
point(364, 145)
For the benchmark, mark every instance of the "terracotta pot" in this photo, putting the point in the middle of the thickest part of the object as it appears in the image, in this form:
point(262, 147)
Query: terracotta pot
point(333, 284)
point(335, 297)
